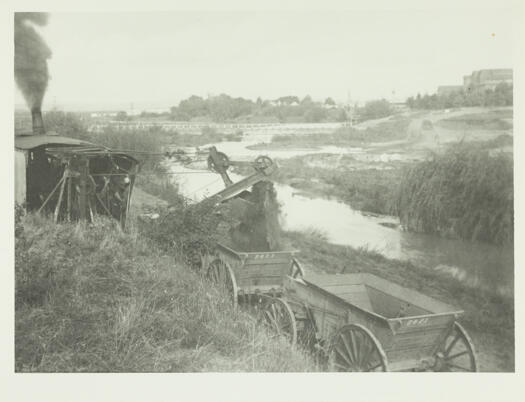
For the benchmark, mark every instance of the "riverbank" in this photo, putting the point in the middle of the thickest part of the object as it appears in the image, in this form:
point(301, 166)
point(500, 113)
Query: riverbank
point(389, 129)
point(488, 318)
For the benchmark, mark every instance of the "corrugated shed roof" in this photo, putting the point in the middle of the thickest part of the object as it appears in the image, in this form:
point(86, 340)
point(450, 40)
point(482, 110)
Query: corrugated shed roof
point(34, 141)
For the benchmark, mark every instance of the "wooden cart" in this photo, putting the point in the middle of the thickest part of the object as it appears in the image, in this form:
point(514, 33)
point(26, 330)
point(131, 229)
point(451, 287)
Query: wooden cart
point(356, 322)
point(256, 280)
point(365, 323)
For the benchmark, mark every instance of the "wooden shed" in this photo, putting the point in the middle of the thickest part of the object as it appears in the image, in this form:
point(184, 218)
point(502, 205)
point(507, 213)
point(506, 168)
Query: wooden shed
point(71, 178)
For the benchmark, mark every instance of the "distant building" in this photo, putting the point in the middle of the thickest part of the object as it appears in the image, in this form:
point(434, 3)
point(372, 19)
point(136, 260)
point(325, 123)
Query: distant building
point(487, 79)
point(449, 89)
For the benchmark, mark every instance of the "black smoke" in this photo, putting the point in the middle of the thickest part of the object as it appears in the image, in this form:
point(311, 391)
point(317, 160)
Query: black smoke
point(31, 55)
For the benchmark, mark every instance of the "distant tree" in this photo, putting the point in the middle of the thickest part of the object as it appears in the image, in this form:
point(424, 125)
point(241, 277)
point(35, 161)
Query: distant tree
point(315, 115)
point(458, 99)
point(193, 106)
point(307, 100)
point(288, 100)
point(502, 95)
point(329, 101)
point(68, 124)
point(121, 116)
point(376, 109)
point(226, 108)
point(342, 115)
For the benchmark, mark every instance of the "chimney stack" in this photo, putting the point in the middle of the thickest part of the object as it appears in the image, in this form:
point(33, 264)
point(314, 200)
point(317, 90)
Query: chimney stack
point(38, 121)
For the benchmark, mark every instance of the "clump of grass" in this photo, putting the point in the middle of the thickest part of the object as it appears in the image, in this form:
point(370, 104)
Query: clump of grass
point(97, 299)
point(464, 193)
point(492, 120)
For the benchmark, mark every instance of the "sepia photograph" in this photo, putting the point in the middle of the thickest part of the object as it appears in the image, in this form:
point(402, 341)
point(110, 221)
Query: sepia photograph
point(264, 190)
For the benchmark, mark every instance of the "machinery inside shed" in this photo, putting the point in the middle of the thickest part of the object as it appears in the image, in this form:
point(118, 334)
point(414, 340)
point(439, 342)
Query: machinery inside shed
point(70, 178)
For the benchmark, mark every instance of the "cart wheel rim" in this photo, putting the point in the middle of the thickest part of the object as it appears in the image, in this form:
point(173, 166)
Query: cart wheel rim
point(355, 348)
point(221, 274)
point(457, 352)
point(278, 315)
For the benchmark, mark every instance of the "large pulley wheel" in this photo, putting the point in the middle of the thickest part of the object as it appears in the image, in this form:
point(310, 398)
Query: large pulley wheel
point(278, 315)
point(220, 273)
point(263, 162)
point(457, 352)
point(355, 348)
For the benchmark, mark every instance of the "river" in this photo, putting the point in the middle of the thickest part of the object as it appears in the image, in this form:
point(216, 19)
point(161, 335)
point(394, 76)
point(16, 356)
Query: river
point(476, 264)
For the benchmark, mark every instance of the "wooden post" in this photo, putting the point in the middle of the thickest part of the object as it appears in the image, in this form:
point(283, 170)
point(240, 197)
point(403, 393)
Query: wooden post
point(57, 208)
point(69, 195)
point(83, 177)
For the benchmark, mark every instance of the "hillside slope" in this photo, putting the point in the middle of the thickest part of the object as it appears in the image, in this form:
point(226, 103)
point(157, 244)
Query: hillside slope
point(97, 299)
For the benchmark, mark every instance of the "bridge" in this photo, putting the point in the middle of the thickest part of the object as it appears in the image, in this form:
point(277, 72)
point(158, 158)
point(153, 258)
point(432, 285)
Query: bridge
point(185, 127)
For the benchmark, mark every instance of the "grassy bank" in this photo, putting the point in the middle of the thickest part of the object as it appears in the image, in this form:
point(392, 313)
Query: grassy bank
point(366, 186)
point(490, 120)
point(393, 129)
point(488, 318)
point(465, 192)
point(96, 299)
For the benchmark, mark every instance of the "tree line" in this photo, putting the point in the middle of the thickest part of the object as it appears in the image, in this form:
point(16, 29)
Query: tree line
point(502, 95)
point(286, 109)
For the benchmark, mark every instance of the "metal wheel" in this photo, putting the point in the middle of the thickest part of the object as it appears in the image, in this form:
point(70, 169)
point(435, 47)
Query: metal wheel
point(220, 273)
point(355, 348)
point(263, 162)
point(457, 352)
point(279, 316)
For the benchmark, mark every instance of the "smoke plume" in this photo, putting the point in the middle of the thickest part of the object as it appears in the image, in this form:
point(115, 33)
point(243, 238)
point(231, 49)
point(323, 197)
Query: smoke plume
point(31, 54)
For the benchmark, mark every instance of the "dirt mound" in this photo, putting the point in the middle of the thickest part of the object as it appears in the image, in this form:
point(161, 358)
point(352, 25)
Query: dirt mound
point(259, 228)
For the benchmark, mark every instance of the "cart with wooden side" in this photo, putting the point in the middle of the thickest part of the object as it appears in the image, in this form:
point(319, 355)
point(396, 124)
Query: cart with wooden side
point(256, 281)
point(364, 323)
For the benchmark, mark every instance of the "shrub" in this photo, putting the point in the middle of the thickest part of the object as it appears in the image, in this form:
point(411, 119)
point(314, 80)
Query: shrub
point(187, 229)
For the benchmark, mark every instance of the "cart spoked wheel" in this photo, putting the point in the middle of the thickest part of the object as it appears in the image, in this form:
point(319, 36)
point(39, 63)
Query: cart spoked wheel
point(355, 348)
point(220, 273)
point(279, 316)
point(457, 352)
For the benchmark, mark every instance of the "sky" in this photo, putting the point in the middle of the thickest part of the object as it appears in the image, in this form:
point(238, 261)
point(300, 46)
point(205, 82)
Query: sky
point(155, 59)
